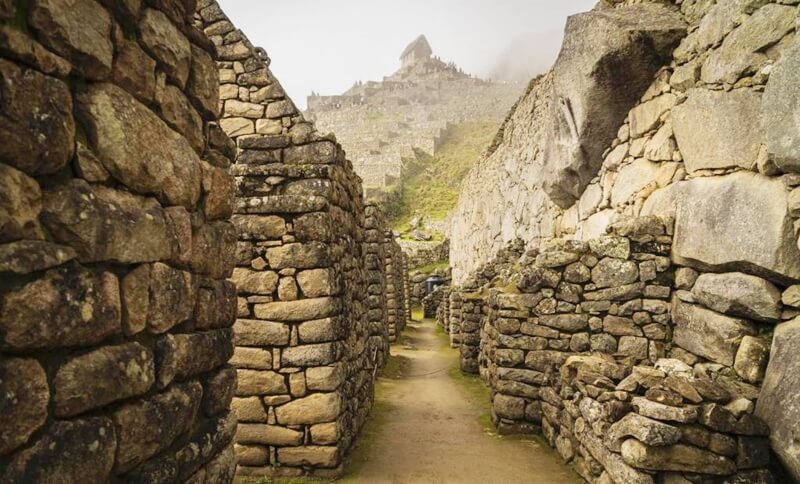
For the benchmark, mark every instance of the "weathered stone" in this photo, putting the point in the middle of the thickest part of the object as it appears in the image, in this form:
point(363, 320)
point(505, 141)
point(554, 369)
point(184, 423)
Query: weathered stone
point(309, 355)
point(739, 294)
point(309, 455)
point(260, 383)
point(646, 116)
point(619, 247)
point(780, 112)
point(134, 71)
point(301, 310)
point(740, 53)
point(79, 30)
point(167, 44)
point(213, 249)
point(707, 333)
point(218, 391)
point(20, 204)
point(252, 332)
point(148, 426)
point(35, 123)
point(172, 298)
point(718, 129)
point(678, 457)
point(298, 256)
point(24, 396)
point(612, 272)
point(779, 401)
point(254, 358)
point(590, 103)
point(508, 406)
point(317, 282)
point(659, 411)
point(320, 330)
point(324, 378)
point(68, 451)
point(747, 216)
point(254, 282)
point(256, 227)
point(268, 435)
point(103, 224)
point(612, 462)
point(645, 430)
point(137, 147)
point(183, 355)
point(67, 306)
point(313, 409)
point(203, 82)
point(216, 305)
point(26, 256)
point(180, 115)
point(103, 376)
point(250, 409)
point(17, 45)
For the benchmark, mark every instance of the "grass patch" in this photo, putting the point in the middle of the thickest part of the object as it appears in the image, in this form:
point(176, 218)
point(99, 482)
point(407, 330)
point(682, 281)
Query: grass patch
point(417, 313)
point(430, 184)
point(433, 267)
point(367, 438)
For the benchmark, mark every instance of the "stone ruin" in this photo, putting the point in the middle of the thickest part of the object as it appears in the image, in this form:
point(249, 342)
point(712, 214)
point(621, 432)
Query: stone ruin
point(179, 250)
point(634, 368)
point(115, 206)
point(380, 123)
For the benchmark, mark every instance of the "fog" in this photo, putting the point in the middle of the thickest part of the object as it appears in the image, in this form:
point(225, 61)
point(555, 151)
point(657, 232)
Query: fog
point(326, 45)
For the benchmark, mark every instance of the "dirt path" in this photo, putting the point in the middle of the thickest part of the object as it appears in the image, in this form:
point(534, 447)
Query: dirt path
point(430, 425)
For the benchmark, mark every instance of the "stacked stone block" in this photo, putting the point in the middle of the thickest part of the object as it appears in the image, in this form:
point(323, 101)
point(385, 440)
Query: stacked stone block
point(115, 243)
point(454, 325)
point(395, 287)
point(618, 357)
point(473, 309)
point(304, 342)
point(431, 302)
point(376, 278)
point(443, 310)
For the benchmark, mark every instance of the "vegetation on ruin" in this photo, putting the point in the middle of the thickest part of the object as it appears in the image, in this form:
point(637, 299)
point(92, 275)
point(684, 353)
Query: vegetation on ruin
point(430, 184)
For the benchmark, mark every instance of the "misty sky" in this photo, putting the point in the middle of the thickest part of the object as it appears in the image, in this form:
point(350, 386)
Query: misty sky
point(326, 45)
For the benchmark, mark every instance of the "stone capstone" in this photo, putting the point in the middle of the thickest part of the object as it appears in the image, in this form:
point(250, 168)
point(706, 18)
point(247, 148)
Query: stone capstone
point(590, 97)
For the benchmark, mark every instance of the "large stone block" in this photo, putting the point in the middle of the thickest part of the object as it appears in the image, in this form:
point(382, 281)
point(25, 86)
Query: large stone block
point(738, 294)
point(780, 112)
point(257, 227)
point(718, 129)
point(779, 401)
point(24, 395)
point(708, 334)
point(309, 455)
point(268, 435)
point(103, 224)
point(678, 457)
point(70, 451)
point(744, 213)
point(20, 204)
point(309, 355)
point(172, 297)
point(148, 426)
point(313, 409)
point(79, 30)
point(607, 61)
point(253, 382)
point(103, 376)
point(185, 355)
point(166, 43)
point(214, 249)
point(67, 306)
point(137, 147)
point(36, 122)
point(298, 256)
point(300, 310)
point(254, 282)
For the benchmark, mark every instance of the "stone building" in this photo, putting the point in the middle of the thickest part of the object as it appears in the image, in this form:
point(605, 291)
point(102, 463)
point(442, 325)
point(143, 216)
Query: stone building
point(417, 51)
point(115, 246)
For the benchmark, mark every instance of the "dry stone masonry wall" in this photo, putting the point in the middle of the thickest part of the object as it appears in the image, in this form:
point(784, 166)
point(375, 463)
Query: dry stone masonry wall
point(313, 266)
point(711, 142)
point(115, 246)
point(635, 369)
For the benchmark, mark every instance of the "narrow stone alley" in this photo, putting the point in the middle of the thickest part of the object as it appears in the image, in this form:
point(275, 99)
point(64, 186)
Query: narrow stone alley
point(431, 425)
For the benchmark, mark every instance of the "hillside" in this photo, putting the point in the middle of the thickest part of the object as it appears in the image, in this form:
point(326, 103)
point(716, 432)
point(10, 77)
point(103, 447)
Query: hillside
point(430, 183)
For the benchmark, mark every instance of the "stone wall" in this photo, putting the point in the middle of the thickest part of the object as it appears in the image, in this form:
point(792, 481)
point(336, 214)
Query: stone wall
point(635, 368)
point(115, 245)
point(311, 328)
point(397, 301)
